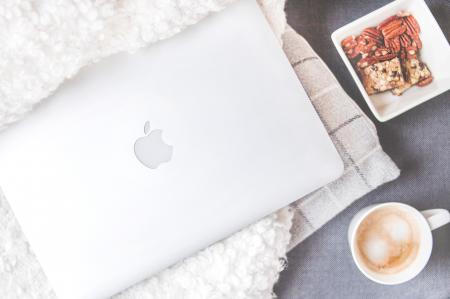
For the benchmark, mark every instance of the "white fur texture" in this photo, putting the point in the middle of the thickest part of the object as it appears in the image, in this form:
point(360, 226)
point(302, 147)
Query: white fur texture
point(44, 42)
point(245, 265)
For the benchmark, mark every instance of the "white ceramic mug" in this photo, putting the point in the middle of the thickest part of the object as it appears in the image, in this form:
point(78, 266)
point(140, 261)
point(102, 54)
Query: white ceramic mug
point(427, 221)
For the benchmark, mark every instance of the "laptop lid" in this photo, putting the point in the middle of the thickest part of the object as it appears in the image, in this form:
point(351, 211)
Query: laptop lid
point(231, 137)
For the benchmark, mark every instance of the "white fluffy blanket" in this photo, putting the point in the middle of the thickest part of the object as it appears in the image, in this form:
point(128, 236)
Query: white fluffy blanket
point(43, 43)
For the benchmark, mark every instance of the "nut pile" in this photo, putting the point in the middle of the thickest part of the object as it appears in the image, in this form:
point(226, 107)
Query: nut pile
point(387, 56)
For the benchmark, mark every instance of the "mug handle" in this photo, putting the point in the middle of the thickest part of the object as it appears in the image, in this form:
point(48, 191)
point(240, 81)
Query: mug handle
point(436, 217)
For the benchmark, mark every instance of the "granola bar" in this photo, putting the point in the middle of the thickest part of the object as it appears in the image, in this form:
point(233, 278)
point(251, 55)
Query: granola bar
point(415, 71)
point(382, 76)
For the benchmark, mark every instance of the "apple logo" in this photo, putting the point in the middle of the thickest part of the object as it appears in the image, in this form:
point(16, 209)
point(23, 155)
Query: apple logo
point(151, 150)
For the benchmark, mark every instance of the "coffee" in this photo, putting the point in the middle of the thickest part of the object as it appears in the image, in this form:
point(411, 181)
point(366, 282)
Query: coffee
point(387, 240)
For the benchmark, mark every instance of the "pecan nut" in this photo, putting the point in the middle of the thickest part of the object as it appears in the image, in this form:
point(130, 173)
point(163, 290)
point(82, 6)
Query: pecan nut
point(394, 31)
point(393, 44)
point(413, 30)
point(417, 42)
point(405, 40)
point(372, 34)
point(412, 23)
point(390, 26)
point(387, 21)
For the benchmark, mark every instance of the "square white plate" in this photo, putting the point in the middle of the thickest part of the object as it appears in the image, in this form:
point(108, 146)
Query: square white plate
point(435, 53)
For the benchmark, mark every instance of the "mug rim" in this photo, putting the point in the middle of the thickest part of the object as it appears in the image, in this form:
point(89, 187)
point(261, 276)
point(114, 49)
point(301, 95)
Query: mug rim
point(427, 230)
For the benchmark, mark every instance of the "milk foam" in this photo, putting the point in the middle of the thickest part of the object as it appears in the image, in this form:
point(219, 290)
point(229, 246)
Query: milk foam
point(387, 240)
point(397, 228)
point(376, 250)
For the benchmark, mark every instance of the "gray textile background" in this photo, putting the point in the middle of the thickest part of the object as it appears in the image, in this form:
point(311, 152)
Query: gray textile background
point(418, 141)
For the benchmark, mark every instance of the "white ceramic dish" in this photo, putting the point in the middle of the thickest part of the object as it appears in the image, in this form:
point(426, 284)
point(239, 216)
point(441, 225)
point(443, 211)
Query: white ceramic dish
point(435, 53)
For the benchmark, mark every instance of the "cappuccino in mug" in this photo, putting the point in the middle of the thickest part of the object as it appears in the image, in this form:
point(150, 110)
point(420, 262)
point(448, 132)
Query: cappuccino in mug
point(388, 240)
point(392, 242)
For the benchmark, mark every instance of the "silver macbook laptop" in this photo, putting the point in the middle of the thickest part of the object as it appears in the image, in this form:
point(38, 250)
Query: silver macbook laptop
point(144, 159)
